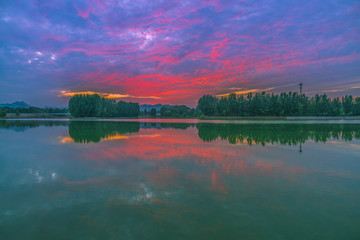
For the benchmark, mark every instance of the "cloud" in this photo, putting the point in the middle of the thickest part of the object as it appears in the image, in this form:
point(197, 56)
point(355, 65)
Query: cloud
point(175, 51)
point(243, 92)
point(68, 93)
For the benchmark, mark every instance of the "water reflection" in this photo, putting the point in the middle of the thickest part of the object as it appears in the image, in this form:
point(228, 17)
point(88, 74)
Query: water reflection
point(22, 125)
point(202, 181)
point(285, 134)
point(92, 131)
point(277, 133)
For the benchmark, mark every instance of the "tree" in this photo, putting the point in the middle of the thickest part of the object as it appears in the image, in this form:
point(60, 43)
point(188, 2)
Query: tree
point(284, 104)
point(128, 109)
point(356, 107)
point(95, 106)
point(347, 102)
point(86, 105)
point(153, 112)
point(335, 107)
point(207, 104)
point(179, 111)
point(2, 114)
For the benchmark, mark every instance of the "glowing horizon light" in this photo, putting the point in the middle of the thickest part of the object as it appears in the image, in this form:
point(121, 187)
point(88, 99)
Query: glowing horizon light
point(67, 93)
point(242, 92)
point(66, 139)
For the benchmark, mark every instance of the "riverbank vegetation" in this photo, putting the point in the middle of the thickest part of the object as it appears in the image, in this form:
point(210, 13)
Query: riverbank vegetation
point(96, 106)
point(179, 111)
point(284, 104)
point(251, 105)
point(31, 110)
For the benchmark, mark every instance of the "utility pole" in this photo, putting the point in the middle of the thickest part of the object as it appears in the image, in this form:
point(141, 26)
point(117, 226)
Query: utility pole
point(301, 84)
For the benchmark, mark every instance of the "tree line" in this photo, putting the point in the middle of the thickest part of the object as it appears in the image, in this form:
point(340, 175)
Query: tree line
point(152, 112)
point(85, 105)
point(251, 105)
point(179, 111)
point(283, 104)
point(17, 111)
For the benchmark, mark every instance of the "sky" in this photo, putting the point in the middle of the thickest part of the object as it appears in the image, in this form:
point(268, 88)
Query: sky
point(176, 51)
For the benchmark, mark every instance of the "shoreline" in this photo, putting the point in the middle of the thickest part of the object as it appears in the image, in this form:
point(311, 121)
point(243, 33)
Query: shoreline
point(292, 120)
point(68, 117)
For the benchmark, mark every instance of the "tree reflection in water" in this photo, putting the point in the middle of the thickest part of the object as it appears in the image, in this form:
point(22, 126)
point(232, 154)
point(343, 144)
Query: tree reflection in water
point(285, 134)
point(289, 134)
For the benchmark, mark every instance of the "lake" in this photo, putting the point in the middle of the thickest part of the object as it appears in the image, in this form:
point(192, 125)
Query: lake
point(179, 179)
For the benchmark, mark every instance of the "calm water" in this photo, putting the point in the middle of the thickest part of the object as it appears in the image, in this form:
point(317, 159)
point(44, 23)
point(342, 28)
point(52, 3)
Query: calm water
point(135, 180)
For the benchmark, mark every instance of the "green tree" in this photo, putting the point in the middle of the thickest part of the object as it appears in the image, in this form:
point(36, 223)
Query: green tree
point(284, 104)
point(347, 102)
point(207, 104)
point(335, 107)
point(153, 112)
point(95, 106)
point(179, 111)
point(85, 105)
point(356, 107)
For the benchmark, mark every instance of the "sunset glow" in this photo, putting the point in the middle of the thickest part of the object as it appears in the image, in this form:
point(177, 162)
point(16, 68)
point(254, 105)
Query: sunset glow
point(65, 93)
point(176, 51)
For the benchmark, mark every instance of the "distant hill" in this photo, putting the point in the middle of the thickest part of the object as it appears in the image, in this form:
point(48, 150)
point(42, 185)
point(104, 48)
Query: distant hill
point(22, 104)
point(16, 104)
point(148, 107)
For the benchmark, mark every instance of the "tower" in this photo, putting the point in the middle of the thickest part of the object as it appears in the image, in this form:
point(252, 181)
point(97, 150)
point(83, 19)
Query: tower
point(301, 85)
